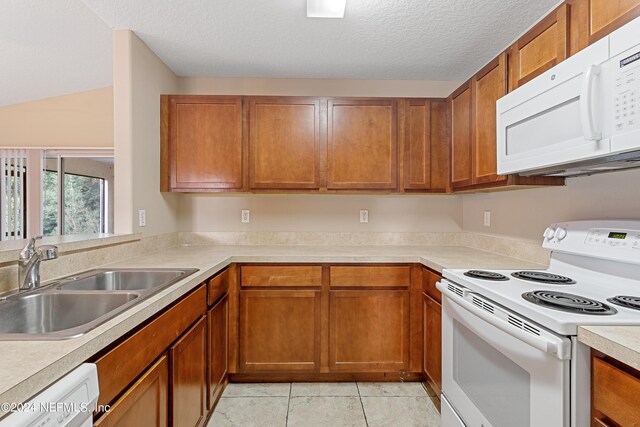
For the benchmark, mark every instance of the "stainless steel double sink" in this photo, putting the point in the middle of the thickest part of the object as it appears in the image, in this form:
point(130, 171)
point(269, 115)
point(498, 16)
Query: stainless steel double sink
point(72, 306)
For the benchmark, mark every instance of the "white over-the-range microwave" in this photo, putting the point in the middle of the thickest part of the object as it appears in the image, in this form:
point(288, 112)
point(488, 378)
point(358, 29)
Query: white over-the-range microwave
point(580, 117)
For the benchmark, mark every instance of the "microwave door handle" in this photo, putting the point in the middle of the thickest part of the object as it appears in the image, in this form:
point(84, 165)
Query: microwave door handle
point(540, 343)
point(586, 104)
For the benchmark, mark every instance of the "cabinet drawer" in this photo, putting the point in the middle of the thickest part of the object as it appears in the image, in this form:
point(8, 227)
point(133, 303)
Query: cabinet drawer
point(217, 286)
point(370, 276)
point(120, 366)
point(281, 275)
point(615, 393)
point(429, 280)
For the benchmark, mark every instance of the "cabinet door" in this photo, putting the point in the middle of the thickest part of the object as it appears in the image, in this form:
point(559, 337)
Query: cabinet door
point(601, 17)
point(279, 330)
point(489, 85)
point(542, 47)
point(369, 330)
point(461, 149)
point(440, 146)
point(432, 312)
point(615, 394)
point(206, 142)
point(144, 403)
point(284, 142)
point(189, 376)
point(217, 318)
point(362, 144)
point(417, 144)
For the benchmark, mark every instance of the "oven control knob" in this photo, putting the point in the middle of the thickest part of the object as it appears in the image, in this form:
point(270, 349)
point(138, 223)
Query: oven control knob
point(548, 233)
point(560, 233)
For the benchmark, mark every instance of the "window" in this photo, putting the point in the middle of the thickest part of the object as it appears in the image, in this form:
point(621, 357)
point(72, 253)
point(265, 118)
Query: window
point(76, 194)
point(54, 192)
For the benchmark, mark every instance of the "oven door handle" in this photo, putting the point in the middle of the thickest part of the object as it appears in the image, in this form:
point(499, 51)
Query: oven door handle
point(540, 343)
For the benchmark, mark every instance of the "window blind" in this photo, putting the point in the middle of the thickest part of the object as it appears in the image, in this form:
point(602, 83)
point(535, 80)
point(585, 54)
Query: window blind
point(13, 164)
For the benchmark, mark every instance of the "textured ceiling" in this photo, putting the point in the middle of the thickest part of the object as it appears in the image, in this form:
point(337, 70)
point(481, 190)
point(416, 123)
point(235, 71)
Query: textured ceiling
point(50, 48)
point(55, 47)
point(377, 39)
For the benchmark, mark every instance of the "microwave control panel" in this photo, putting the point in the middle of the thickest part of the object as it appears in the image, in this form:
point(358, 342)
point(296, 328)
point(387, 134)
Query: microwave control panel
point(626, 86)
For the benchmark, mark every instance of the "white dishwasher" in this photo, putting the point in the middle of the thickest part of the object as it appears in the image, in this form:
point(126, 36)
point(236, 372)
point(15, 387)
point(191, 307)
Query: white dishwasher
point(70, 401)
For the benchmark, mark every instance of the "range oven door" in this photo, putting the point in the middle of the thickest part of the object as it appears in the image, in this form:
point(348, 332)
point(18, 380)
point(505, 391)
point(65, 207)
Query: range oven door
point(496, 370)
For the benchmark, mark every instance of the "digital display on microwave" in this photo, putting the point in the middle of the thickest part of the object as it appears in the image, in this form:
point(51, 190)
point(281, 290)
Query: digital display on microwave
point(617, 235)
point(629, 59)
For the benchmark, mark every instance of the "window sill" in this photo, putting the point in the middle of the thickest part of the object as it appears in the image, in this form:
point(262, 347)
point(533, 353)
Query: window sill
point(10, 249)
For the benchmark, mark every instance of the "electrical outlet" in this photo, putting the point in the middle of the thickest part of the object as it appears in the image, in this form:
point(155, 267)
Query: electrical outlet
point(487, 218)
point(246, 216)
point(142, 217)
point(364, 215)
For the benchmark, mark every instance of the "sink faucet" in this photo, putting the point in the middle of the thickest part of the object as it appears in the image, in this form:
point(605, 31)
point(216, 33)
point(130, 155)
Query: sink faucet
point(29, 263)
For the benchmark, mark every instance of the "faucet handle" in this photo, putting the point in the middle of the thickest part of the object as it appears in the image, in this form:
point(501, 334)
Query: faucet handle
point(30, 248)
point(48, 252)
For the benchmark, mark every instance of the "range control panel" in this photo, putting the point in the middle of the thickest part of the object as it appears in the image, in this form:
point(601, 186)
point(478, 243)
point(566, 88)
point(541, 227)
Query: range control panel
point(614, 238)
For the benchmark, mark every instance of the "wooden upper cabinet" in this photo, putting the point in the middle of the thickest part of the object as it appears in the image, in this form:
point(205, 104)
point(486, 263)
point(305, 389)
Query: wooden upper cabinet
point(461, 147)
point(417, 144)
point(440, 146)
point(362, 144)
point(205, 143)
point(489, 85)
point(545, 45)
point(284, 143)
point(601, 17)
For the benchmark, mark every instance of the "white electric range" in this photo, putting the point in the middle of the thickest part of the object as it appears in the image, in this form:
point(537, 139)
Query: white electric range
point(509, 347)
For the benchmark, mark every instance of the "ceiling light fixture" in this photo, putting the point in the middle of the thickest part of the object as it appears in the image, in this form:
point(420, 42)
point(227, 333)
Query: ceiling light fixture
point(326, 8)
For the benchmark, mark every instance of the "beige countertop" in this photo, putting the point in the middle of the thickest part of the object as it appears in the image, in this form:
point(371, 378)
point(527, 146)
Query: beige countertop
point(29, 366)
point(620, 342)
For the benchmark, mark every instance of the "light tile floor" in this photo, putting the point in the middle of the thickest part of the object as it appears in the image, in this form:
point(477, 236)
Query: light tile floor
point(325, 404)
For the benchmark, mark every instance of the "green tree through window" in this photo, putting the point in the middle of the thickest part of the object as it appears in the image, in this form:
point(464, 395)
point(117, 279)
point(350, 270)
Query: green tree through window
point(83, 209)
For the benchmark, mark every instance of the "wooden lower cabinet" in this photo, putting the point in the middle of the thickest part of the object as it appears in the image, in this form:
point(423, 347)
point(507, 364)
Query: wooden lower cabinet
point(369, 330)
point(145, 403)
point(615, 398)
point(279, 330)
point(188, 359)
point(432, 341)
point(217, 325)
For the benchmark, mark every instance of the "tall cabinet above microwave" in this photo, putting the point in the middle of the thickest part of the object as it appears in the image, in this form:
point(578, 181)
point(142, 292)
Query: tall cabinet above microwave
point(580, 117)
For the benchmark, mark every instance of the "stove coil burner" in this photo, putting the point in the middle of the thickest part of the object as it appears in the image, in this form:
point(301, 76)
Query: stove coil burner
point(626, 301)
point(568, 302)
point(486, 275)
point(543, 277)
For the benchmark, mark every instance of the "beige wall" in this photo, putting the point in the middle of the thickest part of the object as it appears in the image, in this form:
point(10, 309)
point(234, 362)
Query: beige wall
point(321, 212)
point(524, 214)
point(83, 119)
point(316, 87)
point(139, 79)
